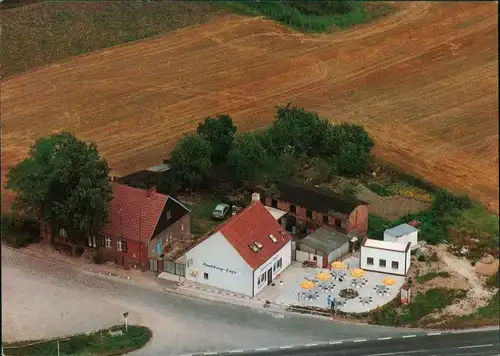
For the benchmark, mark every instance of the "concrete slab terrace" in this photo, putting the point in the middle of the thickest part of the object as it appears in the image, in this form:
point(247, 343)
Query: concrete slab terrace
point(288, 292)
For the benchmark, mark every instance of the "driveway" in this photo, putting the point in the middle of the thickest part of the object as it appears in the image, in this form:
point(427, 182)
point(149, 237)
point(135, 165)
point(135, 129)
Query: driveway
point(42, 299)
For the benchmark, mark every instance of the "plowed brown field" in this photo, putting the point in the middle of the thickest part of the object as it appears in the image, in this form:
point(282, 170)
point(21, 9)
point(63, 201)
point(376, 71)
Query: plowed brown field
point(424, 82)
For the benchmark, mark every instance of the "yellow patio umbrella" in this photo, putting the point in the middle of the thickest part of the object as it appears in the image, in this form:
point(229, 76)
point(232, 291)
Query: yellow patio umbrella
point(388, 281)
point(358, 273)
point(338, 265)
point(307, 285)
point(323, 276)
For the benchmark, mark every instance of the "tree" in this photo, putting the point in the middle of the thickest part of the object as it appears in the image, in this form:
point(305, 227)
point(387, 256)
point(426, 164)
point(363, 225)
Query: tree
point(247, 158)
point(64, 181)
point(191, 161)
point(349, 146)
point(219, 132)
point(297, 131)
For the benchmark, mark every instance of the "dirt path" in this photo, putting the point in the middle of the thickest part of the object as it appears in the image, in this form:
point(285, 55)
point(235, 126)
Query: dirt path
point(477, 296)
point(418, 81)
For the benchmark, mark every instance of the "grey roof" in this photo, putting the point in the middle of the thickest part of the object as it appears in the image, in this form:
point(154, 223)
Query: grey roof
point(159, 168)
point(325, 240)
point(400, 230)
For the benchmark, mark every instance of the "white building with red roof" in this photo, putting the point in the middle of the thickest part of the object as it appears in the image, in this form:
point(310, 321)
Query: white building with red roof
point(247, 252)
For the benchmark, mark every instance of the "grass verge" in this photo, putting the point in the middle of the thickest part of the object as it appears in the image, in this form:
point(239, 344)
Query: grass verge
point(431, 275)
point(422, 305)
point(201, 216)
point(38, 34)
point(313, 16)
point(100, 343)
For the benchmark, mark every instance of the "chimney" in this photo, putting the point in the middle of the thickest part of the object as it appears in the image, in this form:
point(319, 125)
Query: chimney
point(151, 191)
point(255, 197)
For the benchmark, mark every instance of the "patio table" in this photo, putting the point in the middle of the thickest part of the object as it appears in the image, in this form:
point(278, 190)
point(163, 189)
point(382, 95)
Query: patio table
point(382, 290)
point(365, 300)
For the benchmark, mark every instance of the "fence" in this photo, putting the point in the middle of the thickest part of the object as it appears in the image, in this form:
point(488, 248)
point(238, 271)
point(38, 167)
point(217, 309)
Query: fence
point(179, 269)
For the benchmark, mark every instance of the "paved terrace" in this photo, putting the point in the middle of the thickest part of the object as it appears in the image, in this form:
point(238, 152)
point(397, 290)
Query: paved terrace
point(293, 276)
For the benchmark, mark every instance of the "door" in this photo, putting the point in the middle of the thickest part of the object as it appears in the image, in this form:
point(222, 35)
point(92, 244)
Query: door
point(269, 276)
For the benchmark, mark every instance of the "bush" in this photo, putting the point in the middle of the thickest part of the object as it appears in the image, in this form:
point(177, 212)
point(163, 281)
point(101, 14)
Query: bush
point(349, 190)
point(379, 190)
point(421, 258)
point(98, 258)
point(19, 232)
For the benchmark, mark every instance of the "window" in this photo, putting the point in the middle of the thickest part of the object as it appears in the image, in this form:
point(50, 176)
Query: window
point(262, 278)
point(119, 245)
point(258, 245)
point(124, 246)
point(101, 241)
point(315, 258)
point(205, 275)
point(92, 241)
point(254, 248)
point(309, 214)
point(369, 261)
point(108, 242)
point(277, 266)
point(381, 263)
point(293, 209)
point(272, 238)
point(63, 233)
point(325, 219)
point(182, 227)
point(190, 262)
point(395, 265)
point(169, 214)
point(274, 203)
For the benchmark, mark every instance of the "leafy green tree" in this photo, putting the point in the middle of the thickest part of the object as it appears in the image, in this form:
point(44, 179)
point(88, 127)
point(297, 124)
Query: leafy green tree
point(297, 131)
point(247, 159)
point(191, 161)
point(64, 181)
point(349, 146)
point(219, 132)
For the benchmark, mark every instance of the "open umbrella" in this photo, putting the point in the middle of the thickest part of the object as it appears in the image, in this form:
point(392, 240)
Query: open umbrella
point(388, 281)
point(323, 276)
point(358, 273)
point(307, 285)
point(338, 265)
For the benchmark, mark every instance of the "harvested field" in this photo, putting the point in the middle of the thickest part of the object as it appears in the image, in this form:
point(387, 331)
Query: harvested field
point(424, 83)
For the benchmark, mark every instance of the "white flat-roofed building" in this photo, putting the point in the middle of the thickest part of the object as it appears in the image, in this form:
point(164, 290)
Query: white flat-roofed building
point(403, 234)
point(385, 257)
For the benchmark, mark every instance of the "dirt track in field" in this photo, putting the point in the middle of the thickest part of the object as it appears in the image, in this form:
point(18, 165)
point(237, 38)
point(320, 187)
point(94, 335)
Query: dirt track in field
point(424, 82)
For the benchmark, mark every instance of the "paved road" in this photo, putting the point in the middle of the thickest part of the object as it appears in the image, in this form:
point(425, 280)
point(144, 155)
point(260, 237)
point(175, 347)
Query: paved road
point(484, 343)
point(47, 300)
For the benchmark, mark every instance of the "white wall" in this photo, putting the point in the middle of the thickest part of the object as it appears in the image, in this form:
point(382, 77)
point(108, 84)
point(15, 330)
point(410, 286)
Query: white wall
point(301, 256)
point(338, 253)
point(388, 256)
point(285, 254)
point(408, 260)
point(225, 267)
point(411, 237)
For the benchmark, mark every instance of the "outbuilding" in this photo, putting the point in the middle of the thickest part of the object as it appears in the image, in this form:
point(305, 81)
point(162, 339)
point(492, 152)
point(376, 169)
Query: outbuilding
point(385, 257)
point(403, 233)
point(245, 254)
point(323, 246)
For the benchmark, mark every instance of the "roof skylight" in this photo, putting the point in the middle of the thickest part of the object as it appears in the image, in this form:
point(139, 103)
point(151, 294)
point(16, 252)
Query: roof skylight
point(258, 245)
point(272, 238)
point(254, 248)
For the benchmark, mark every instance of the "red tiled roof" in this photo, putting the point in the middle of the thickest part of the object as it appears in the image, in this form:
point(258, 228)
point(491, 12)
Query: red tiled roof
point(254, 223)
point(139, 215)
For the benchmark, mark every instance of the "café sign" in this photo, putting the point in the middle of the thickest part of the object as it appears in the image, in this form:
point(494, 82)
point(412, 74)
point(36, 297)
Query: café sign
point(220, 269)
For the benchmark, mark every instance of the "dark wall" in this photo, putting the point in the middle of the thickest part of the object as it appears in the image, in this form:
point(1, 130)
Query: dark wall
point(177, 212)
